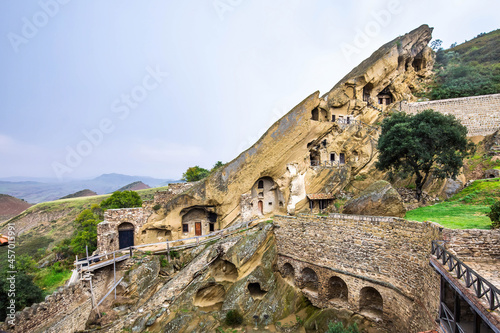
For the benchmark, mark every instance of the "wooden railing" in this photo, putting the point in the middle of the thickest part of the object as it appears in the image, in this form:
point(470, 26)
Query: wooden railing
point(481, 286)
point(125, 253)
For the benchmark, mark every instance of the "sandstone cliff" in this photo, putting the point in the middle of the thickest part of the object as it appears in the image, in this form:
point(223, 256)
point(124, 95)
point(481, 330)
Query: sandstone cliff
point(312, 152)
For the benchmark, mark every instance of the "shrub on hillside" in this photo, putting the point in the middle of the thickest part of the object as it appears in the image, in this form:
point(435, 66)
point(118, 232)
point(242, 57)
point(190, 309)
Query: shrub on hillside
point(494, 215)
point(124, 199)
point(339, 328)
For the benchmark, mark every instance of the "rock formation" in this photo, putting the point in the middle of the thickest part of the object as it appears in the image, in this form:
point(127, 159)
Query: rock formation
point(378, 199)
point(305, 157)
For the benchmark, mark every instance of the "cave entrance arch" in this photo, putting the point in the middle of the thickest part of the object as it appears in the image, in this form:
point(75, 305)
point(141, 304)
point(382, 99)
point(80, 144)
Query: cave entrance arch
point(288, 272)
point(309, 279)
point(125, 235)
point(371, 301)
point(337, 288)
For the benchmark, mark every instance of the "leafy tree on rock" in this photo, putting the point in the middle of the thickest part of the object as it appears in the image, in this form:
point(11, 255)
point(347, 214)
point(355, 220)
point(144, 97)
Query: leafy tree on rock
point(428, 143)
point(124, 199)
point(85, 232)
point(194, 174)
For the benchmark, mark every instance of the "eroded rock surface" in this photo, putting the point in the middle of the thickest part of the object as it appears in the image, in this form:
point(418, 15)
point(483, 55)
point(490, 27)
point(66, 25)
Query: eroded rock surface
point(378, 199)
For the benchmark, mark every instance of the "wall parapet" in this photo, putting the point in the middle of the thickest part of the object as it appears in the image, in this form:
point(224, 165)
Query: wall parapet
point(480, 114)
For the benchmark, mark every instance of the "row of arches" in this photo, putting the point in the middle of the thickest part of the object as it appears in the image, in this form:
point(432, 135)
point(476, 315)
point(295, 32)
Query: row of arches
point(336, 289)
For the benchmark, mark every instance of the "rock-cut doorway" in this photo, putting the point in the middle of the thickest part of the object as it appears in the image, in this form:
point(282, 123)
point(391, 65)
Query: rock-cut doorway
point(125, 235)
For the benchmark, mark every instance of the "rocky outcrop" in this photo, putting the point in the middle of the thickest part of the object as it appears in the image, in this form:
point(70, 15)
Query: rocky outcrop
point(378, 199)
point(317, 147)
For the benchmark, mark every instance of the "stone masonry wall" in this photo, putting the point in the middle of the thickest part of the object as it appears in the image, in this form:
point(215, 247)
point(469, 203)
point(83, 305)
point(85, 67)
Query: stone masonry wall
point(66, 310)
point(71, 304)
point(107, 230)
point(389, 254)
point(473, 243)
point(480, 114)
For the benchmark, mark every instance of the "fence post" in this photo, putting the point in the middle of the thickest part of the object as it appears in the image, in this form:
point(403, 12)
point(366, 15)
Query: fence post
point(168, 252)
point(114, 271)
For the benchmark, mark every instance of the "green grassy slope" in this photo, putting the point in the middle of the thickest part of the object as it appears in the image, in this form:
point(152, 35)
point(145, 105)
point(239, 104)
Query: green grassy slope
point(465, 210)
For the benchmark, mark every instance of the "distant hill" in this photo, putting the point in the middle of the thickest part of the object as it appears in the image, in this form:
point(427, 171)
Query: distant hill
point(36, 191)
point(11, 206)
point(79, 194)
point(135, 186)
point(469, 69)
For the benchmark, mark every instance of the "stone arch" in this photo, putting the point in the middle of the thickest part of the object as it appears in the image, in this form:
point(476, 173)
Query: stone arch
point(337, 288)
point(351, 91)
point(385, 97)
point(288, 272)
point(315, 114)
point(371, 301)
point(198, 220)
point(367, 92)
point(125, 235)
point(309, 279)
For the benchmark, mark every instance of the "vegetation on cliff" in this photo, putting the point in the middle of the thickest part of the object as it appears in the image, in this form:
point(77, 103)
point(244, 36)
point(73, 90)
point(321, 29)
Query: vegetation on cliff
point(196, 173)
point(428, 143)
point(468, 69)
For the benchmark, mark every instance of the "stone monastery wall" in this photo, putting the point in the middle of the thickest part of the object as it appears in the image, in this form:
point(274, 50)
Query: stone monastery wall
point(388, 254)
point(480, 114)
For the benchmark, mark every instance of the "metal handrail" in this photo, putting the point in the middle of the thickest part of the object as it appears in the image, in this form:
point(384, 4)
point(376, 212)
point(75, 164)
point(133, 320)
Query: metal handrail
point(481, 286)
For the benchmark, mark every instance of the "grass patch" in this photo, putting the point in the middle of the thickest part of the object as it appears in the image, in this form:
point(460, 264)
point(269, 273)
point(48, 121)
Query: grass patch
point(51, 278)
point(453, 215)
point(465, 210)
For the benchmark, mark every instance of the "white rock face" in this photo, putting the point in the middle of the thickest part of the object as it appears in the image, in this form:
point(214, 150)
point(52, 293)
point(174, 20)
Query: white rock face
point(297, 188)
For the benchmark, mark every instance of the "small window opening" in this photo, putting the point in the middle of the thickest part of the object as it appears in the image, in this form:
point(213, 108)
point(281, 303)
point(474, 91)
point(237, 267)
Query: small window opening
point(261, 184)
point(211, 226)
point(185, 227)
point(333, 117)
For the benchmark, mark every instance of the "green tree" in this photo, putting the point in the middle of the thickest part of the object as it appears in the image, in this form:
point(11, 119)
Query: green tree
point(124, 199)
point(428, 143)
point(85, 232)
point(217, 166)
point(26, 292)
point(494, 215)
point(195, 173)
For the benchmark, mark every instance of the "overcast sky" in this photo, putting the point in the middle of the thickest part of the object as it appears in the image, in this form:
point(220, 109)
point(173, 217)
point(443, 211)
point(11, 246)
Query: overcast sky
point(153, 87)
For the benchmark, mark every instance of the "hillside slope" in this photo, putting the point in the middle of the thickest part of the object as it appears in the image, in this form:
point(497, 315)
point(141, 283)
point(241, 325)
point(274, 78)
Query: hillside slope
point(53, 221)
point(469, 69)
point(135, 186)
point(36, 192)
point(11, 206)
point(79, 194)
